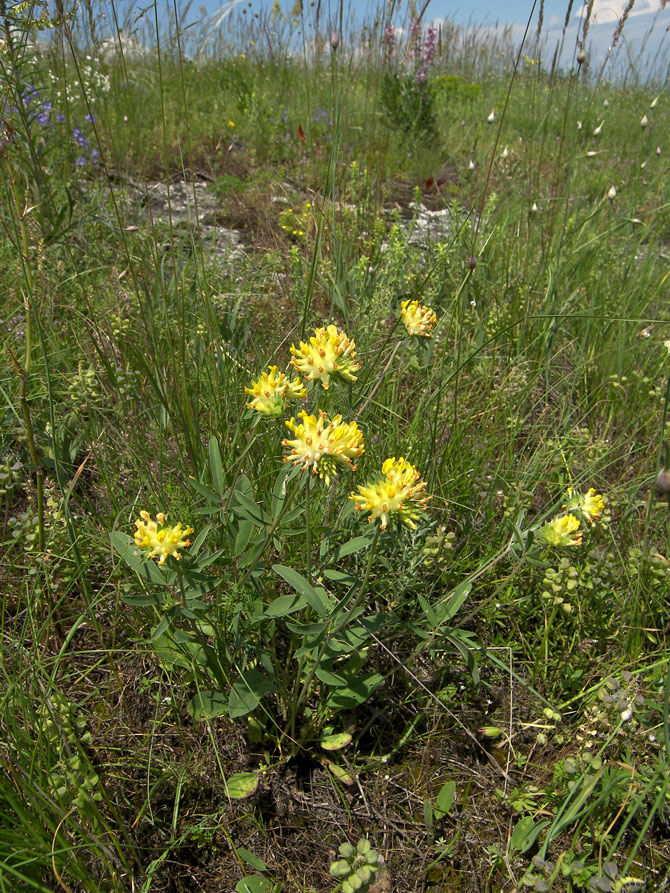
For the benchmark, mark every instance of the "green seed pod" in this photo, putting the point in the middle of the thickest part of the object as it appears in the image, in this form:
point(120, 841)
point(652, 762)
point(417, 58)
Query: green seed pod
point(346, 887)
point(363, 847)
point(490, 732)
point(372, 858)
point(355, 882)
point(346, 851)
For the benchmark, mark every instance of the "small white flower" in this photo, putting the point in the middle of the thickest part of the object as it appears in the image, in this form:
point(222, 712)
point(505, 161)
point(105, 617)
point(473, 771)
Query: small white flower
point(491, 118)
point(654, 102)
point(644, 121)
point(643, 165)
point(606, 103)
point(666, 344)
point(534, 208)
point(599, 129)
point(611, 195)
point(471, 166)
point(658, 151)
point(626, 714)
point(505, 152)
point(579, 125)
point(591, 154)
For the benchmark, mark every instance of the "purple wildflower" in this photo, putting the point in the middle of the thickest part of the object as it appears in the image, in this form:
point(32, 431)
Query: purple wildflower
point(389, 42)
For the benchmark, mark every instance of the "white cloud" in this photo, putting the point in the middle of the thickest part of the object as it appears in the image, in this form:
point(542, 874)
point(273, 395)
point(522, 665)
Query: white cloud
point(606, 11)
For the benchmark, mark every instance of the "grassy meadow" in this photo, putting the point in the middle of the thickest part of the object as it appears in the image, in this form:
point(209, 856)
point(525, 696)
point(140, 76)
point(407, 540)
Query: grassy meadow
point(334, 477)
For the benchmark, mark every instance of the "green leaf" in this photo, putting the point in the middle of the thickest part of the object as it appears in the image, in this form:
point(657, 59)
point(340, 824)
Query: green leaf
point(252, 860)
point(338, 772)
point(241, 785)
point(357, 544)
point(215, 466)
point(445, 799)
point(206, 492)
point(141, 601)
point(241, 531)
point(338, 576)
point(250, 510)
point(525, 834)
point(331, 679)
point(284, 605)
point(200, 539)
point(358, 691)
point(254, 884)
point(163, 626)
point(207, 705)
point(450, 606)
point(247, 691)
point(316, 597)
point(335, 742)
point(136, 559)
point(428, 611)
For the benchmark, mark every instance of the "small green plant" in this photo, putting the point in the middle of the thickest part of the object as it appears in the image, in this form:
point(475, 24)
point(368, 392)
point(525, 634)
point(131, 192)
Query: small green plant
point(357, 868)
point(407, 93)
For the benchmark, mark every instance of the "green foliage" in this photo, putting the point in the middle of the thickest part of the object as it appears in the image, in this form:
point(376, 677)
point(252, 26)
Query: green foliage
point(409, 105)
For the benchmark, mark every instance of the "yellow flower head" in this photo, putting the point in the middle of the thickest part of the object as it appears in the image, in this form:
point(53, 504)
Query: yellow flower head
point(399, 493)
point(329, 352)
point(322, 445)
point(419, 320)
point(163, 541)
point(590, 506)
point(271, 390)
point(562, 531)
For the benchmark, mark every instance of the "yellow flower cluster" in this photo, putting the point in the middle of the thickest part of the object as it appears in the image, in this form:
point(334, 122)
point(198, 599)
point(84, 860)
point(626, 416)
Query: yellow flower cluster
point(271, 391)
point(329, 353)
point(590, 506)
point(399, 493)
point(562, 531)
point(324, 445)
point(296, 223)
point(418, 320)
point(160, 542)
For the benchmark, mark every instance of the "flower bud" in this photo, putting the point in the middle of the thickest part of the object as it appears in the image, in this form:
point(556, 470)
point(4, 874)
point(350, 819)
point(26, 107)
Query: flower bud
point(581, 57)
point(663, 481)
point(611, 195)
point(644, 121)
point(334, 41)
point(491, 118)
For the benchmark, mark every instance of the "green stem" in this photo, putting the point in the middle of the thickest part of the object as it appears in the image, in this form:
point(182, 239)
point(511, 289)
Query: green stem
point(308, 529)
point(329, 634)
point(275, 524)
point(543, 653)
